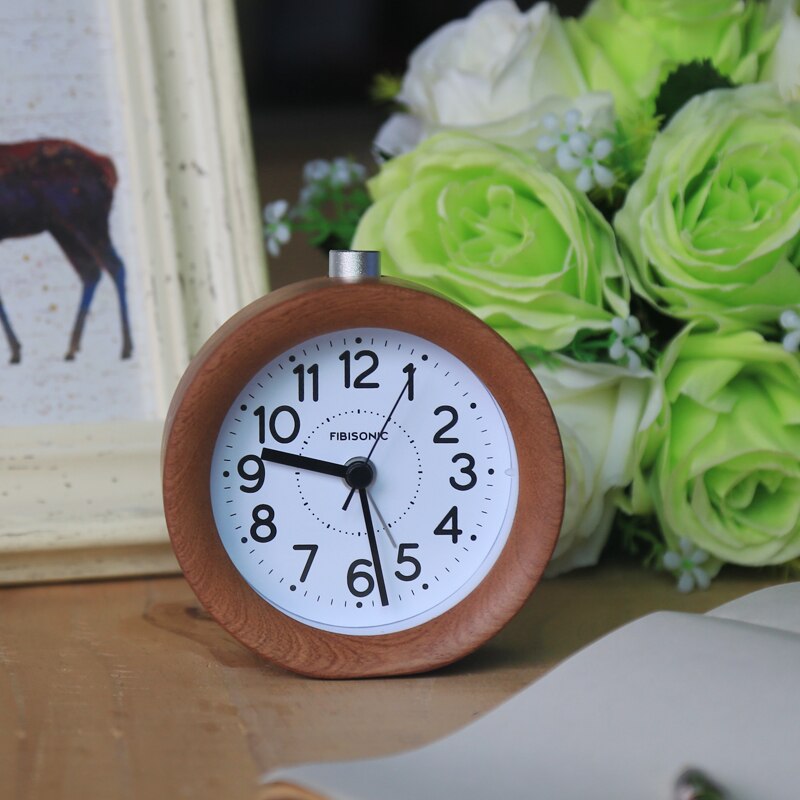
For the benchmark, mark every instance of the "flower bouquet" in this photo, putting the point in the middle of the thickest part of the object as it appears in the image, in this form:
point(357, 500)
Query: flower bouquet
point(618, 195)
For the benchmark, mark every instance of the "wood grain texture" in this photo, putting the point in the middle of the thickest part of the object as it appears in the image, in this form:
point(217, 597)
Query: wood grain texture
point(128, 689)
point(268, 328)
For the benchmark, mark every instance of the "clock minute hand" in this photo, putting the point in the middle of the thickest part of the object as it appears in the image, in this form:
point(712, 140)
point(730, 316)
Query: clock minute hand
point(389, 416)
point(380, 434)
point(373, 546)
point(303, 462)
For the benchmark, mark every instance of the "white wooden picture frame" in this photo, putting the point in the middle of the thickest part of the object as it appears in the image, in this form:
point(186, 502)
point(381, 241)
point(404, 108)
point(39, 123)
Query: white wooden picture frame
point(84, 500)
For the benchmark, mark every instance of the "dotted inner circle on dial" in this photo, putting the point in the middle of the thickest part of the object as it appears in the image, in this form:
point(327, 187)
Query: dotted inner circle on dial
point(309, 500)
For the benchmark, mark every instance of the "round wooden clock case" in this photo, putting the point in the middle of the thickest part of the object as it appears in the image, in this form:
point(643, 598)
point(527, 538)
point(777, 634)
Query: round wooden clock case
point(271, 326)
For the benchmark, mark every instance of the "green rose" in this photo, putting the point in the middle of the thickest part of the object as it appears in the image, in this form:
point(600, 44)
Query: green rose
point(713, 225)
point(629, 46)
point(721, 465)
point(488, 227)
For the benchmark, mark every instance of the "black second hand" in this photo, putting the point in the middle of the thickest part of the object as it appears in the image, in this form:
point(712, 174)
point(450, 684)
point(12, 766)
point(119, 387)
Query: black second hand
point(375, 444)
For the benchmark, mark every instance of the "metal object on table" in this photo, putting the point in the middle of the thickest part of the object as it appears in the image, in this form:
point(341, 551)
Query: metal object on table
point(692, 784)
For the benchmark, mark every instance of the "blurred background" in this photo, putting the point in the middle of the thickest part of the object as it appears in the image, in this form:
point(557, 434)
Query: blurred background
point(308, 69)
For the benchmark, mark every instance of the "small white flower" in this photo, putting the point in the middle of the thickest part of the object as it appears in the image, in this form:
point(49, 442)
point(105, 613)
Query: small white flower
point(593, 173)
point(345, 171)
point(790, 322)
point(585, 180)
point(307, 195)
point(577, 149)
point(686, 564)
point(630, 343)
point(602, 149)
point(572, 119)
point(340, 172)
point(276, 228)
point(559, 132)
point(316, 170)
point(580, 143)
point(274, 212)
point(358, 171)
point(566, 159)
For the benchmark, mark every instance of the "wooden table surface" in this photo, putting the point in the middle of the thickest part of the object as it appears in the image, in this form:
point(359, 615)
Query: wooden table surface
point(127, 689)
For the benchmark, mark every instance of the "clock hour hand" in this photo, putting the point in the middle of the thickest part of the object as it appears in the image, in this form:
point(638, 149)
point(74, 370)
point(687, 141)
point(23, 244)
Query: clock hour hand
point(373, 546)
point(303, 462)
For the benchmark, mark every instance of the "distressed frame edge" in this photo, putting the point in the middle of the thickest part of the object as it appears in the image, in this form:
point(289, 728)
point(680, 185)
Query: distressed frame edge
point(89, 563)
point(98, 547)
point(125, 534)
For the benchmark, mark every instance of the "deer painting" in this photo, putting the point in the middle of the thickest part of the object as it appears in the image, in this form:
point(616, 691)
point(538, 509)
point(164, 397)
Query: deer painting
point(61, 188)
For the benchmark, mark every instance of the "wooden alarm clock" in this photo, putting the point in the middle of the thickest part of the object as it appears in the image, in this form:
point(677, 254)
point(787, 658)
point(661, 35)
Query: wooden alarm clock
point(360, 477)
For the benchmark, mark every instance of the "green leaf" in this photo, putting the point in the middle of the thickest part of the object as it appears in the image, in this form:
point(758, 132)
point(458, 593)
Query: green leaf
point(683, 83)
point(535, 356)
point(639, 537)
point(633, 137)
point(385, 87)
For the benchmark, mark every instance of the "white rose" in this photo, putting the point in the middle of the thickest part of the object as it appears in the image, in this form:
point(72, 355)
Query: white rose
point(401, 133)
point(599, 409)
point(490, 66)
point(783, 67)
point(494, 74)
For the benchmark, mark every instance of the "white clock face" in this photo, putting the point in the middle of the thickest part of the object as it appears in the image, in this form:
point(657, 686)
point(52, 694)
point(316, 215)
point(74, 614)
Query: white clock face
point(364, 482)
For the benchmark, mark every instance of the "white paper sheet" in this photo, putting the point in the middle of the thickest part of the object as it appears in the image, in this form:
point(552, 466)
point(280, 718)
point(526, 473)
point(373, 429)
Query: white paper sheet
point(621, 719)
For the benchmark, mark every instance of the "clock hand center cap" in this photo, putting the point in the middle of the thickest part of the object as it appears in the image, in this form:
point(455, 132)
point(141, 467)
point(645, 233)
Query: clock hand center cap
point(360, 473)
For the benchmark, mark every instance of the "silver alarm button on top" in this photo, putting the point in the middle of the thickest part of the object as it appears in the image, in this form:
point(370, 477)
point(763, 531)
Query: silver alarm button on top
point(354, 265)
